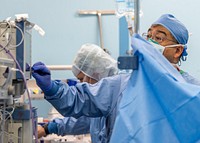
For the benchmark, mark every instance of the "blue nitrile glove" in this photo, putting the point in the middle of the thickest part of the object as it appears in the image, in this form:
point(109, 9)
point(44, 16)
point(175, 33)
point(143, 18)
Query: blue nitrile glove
point(71, 82)
point(42, 76)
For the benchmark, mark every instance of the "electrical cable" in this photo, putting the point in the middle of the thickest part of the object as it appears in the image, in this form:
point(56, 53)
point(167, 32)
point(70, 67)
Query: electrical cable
point(7, 115)
point(3, 122)
point(15, 46)
point(11, 135)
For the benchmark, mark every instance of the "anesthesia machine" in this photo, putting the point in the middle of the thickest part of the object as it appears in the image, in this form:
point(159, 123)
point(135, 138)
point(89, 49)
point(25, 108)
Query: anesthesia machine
point(17, 119)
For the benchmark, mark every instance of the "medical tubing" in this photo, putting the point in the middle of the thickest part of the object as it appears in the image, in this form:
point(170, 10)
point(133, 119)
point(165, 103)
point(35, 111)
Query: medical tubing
point(30, 105)
point(13, 46)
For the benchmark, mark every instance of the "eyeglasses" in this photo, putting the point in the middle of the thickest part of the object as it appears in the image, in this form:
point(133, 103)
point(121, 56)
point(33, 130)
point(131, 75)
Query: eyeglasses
point(158, 37)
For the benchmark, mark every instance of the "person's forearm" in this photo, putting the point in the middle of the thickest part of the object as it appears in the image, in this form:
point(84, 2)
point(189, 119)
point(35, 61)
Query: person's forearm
point(72, 126)
point(87, 100)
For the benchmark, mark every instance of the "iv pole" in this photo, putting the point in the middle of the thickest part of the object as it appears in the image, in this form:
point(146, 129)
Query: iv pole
point(136, 16)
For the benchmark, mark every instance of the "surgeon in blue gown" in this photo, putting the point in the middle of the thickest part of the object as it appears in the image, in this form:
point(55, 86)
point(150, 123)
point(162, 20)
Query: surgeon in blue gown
point(90, 65)
point(102, 99)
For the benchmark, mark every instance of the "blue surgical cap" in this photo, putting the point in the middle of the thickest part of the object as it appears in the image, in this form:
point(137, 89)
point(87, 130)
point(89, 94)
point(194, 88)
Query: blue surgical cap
point(176, 28)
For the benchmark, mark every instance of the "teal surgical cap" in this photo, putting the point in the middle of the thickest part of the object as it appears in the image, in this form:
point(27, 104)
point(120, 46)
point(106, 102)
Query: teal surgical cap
point(177, 29)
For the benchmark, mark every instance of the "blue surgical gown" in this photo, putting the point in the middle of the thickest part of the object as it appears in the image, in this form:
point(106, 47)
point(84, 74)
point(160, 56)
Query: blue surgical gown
point(190, 79)
point(98, 101)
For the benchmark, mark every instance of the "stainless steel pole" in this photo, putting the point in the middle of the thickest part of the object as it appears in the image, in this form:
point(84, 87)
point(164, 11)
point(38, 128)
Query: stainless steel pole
point(136, 16)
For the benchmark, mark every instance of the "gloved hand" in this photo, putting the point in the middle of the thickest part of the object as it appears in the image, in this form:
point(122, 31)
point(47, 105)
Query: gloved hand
point(42, 76)
point(71, 82)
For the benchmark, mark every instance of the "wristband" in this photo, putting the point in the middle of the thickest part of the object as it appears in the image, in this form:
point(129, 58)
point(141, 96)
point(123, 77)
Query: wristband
point(45, 126)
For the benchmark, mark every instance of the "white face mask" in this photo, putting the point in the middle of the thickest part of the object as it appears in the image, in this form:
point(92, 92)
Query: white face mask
point(162, 48)
point(157, 46)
